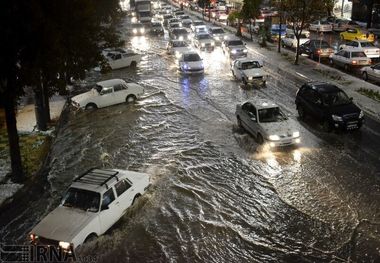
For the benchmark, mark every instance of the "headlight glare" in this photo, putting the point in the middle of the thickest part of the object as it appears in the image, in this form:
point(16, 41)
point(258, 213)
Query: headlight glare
point(64, 245)
point(296, 134)
point(361, 114)
point(134, 31)
point(233, 51)
point(274, 137)
point(336, 118)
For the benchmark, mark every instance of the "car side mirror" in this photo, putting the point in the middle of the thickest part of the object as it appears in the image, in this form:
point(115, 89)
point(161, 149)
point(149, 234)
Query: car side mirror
point(104, 207)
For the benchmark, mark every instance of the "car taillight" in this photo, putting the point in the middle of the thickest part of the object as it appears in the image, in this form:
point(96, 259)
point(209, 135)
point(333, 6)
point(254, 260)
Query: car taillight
point(354, 62)
point(319, 51)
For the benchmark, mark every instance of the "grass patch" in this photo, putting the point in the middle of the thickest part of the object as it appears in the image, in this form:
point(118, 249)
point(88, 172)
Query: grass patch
point(375, 95)
point(34, 147)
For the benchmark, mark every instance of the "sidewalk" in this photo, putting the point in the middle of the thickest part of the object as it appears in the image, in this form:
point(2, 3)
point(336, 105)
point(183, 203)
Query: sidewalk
point(307, 69)
point(26, 122)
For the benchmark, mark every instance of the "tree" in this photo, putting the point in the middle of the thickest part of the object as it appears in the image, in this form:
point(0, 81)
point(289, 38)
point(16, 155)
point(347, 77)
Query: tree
point(299, 13)
point(203, 4)
point(232, 17)
point(249, 11)
point(48, 43)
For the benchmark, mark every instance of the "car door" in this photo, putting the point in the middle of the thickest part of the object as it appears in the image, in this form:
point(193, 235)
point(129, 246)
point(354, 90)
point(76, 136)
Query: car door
point(339, 58)
point(120, 93)
point(110, 210)
point(106, 97)
point(248, 118)
point(374, 72)
point(125, 192)
point(237, 70)
point(315, 104)
point(305, 48)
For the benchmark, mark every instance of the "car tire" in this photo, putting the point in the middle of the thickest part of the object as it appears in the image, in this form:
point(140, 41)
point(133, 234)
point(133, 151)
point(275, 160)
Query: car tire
point(91, 237)
point(133, 64)
point(91, 106)
point(301, 112)
point(365, 76)
point(233, 74)
point(244, 81)
point(331, 62)
point(131, 99)
point(326, 126)
point(259, 138)
point(346, 67)
point(239, 123)
point(135, 198)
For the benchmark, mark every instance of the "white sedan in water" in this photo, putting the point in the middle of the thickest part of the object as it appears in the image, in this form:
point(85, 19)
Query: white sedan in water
point(249, 71)
point(190, 63)
point(107, 93)
point(177, 47)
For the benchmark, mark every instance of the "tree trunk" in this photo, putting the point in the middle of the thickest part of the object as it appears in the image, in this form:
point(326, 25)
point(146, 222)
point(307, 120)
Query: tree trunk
point(13, 139)
point(297, 53)
point(250, 28)
point(279, 36)
point(369, 13)
point(46, 103)
point(238, 33)
point(39, 109)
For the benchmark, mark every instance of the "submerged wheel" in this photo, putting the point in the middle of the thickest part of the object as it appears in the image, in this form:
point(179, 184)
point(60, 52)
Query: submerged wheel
point(90, 238)
point(133, 64)
point(259, 139)
point(365, 76)
point(91, 106)
point(135, 198)
point(131, 99)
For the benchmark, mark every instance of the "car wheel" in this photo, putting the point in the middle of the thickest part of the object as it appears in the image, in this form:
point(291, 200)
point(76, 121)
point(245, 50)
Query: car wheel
point(326, 126)
point(365, 76)
point(301, 112)
point(133, 64)
point(90, 238)
point(259, 138)
point(239, 123)
point(233, 74)
point(131, 99)
point(244, 81)
point(331, 62)
point(91, 106)
point(346, 67)
point(312, 56)
point(135, 198)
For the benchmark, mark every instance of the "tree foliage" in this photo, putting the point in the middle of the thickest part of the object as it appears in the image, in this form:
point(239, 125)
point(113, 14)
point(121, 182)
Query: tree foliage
point(250, 10)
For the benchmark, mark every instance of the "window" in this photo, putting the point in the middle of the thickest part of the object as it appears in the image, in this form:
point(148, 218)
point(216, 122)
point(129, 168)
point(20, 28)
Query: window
point(311, 95)
point(108, 198)
point(106, 90)
point(82, 199)
point(122, 186)
point(119, 87)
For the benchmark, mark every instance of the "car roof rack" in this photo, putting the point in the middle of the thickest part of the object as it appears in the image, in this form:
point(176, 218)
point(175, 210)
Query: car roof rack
point(96, 176)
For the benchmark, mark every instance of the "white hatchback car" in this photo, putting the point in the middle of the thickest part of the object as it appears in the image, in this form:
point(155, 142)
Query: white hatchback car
point(265, 120)
point(107, 93)
point(249, 71)
point(94, 202)
point(190, 63)
point(290, 40)
point(349, 58)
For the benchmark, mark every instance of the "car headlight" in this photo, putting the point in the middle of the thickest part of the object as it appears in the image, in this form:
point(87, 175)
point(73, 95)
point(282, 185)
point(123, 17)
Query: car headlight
point(233, 51)
point(185, 67)
point(177, 54)
point(336, 118)
point(361, 114)
point(217, 38)
point(274, 137)
point(134, 31)
point(212, 43)
point(245, 51)
point(142, 30)
point(225, 37)
point(296, 134)
point(64, 245)
point(180, 38)
point(33, 237)
point(203, 44)
point(180, 24)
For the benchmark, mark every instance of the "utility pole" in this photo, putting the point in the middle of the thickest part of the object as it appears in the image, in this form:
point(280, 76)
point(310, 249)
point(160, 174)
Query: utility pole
point(341, 11)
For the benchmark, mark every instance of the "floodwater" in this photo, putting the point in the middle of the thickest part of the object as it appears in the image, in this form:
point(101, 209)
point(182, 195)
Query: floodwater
point(216, 196)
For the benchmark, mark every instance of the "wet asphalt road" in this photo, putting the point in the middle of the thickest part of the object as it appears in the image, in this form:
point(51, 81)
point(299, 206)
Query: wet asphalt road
point(216, 196)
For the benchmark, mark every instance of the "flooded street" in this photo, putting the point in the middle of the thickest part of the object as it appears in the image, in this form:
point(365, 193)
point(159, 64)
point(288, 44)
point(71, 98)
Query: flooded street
point(216, 196)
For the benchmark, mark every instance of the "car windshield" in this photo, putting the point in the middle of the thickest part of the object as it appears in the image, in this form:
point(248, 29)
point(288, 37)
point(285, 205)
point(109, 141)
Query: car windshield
point(191, 57)
point(98, 88)
point(321, 44)
point(217, 31)
point(144, 14)
point(303, 36)
point(157, 25)
point(198, 23)
point(185, 17)
point(180, 31)
point(137, 25)
point(235, 43)
point(335, 98)
point(250, 65)
point(358, 55)
point(204, 36)
point(271, 115)
point(180, 44)
point(82, 199)
point(367, 44)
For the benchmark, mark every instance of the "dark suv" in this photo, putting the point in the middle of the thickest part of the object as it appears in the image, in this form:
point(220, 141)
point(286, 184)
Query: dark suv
point(328, 104)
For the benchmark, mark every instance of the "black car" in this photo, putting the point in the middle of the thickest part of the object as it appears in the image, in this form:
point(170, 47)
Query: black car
point(156, 28)
point(315, 48)
point(328, 104)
